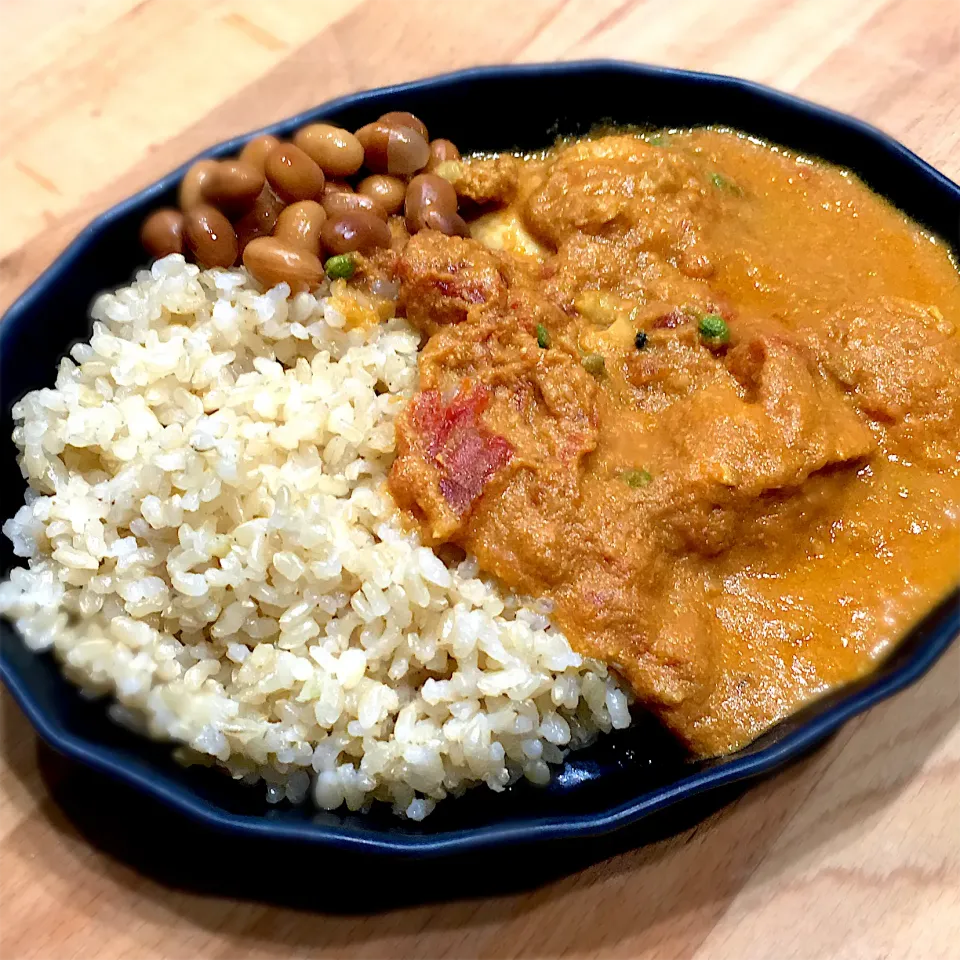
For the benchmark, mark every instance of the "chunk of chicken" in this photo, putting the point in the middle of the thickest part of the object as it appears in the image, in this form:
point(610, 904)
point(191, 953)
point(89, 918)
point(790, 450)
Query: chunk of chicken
point(900, 363)
point(443, 278)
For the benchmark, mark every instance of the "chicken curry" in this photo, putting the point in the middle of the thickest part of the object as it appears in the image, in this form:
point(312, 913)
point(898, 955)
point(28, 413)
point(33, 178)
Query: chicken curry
point(701, 393)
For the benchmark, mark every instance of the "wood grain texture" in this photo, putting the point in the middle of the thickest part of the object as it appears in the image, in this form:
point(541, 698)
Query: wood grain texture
point(854, 852)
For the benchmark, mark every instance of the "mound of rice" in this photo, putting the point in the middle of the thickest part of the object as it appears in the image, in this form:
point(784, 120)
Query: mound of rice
point(211, 542)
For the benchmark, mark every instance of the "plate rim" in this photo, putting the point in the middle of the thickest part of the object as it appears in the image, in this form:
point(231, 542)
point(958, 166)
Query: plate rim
point(945, 616)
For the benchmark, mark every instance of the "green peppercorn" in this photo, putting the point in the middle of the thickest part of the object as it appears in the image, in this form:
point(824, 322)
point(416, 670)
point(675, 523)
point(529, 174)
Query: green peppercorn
point(636, 478)
point(340, 267)
point(713, 330)
point(594, 365)
point(723, 183)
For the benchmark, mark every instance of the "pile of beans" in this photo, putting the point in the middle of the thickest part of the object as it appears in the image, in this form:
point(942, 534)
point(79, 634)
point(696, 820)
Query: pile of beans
point(281, 206)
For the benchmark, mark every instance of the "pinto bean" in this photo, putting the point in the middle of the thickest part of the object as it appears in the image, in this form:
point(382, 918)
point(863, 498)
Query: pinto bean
point(255, 151)
point(425, 192)
point(299, 225)
point(356, 230)
point(452, 224)
point(398, 151)
point(162, 232)
point(389, 192)
point(292, 174)
point(337, 203)
point(334, 186)
point(210, 237)
point(195, 182)
point(234, 186)
point(441, 151)
point(400, 118)
point(260, 219)
point(338, 152)
point(271, 261)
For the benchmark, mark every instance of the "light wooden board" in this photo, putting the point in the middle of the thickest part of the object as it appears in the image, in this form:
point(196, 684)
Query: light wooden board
point(855, 852)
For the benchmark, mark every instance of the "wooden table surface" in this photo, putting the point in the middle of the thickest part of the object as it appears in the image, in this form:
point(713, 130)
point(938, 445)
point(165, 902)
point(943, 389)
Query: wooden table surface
point(855, 852)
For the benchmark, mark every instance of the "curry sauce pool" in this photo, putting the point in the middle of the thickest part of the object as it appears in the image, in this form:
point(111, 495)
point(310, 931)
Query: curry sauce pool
point(705, 398)
point(686, 409)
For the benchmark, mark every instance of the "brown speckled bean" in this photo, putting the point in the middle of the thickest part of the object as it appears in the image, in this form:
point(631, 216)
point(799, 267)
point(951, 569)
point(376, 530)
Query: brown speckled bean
point(292, 174)
point(272, 261)
point(299, 225)
point(195, 182)
point(260, 219)
point(210, 237)
point(400, 118)
point(337, 203)
point(255, 151)
point(389, 192)
point(399, 151)
point(338, 152)
point(426, 192)
point(335, 186)
point(441, 151)
point(162, 232)
point(234, 186)
point(358, 230)
point(452, 224)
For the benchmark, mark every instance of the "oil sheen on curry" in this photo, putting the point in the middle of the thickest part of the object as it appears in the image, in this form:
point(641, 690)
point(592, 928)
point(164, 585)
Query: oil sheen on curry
point(703, 395)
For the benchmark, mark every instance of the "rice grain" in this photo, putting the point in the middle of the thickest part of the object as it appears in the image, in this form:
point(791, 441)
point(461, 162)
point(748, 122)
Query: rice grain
point(210, 541)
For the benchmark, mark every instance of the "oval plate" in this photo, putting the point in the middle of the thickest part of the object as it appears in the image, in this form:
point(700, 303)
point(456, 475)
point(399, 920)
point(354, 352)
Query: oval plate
point(624, 777)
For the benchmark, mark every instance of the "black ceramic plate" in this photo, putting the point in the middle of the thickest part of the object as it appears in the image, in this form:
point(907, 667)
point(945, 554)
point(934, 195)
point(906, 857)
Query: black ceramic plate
point(624, 777)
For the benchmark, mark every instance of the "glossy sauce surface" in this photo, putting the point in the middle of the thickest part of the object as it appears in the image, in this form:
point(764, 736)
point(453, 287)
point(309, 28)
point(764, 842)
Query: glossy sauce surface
point(735, 526)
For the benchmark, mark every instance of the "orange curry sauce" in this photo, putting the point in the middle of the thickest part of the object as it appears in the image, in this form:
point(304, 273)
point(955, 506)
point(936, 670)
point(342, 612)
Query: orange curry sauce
point(736, 523)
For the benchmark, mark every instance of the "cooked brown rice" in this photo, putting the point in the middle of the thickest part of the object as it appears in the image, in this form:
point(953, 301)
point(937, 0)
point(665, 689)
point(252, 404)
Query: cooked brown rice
point(210, 541)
